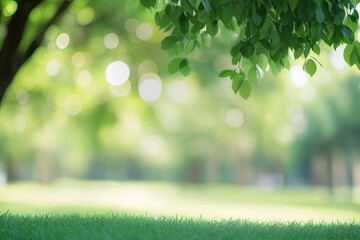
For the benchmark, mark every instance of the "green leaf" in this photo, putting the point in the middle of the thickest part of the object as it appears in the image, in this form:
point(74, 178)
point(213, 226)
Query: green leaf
point(310, 67)
point(202, 16)
point(212, 28)
point(236, 59)
point(237, 81)
point(184, 24)
point(168, 42)
point(226, 15)
point(319, 14)
point(298, 52)
point(226, 73)
point(195, 3)
point(285, 63)
point(252, 75)
point(247, 49)
point(245, 90)
point(256, 18)
point(347, 54)
point(353, 25)
point(186, 6)
point(292, 4)
point(206, 5)
point(264, 30)
point(148, 3)
point(174, 65)
point(347, 33)
point(316, 49)
point(205, 39)
point(275, 39)
point(190, 46)
point(356, 52)
point(354, 55)
point(184, 67)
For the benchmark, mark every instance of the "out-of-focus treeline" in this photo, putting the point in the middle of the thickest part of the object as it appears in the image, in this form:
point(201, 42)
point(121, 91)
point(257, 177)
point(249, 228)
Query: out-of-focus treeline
point(96, 101)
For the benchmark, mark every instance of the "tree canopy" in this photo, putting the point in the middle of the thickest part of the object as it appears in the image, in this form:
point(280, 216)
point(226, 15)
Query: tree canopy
point(265, 33)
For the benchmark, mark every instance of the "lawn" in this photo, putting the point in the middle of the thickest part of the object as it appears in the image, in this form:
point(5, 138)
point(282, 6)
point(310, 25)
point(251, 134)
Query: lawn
point(71, 209)
point(114, 226)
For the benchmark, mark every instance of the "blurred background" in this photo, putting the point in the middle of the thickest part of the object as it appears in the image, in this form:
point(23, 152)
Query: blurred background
point(96, 102)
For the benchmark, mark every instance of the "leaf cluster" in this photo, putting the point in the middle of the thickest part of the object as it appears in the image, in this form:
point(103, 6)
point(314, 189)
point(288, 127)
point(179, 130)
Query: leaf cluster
point(266, 32)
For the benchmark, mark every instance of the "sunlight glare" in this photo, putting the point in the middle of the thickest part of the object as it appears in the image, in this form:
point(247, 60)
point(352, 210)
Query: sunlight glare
point(111, 41)
point(298, 76)
point(234, 118)
point(62, 41)
point(53, 68)
point(131, 25)
point(337, 59)
point(144, 32)
point(78, 59)
point(117, 73)
point(150, 87)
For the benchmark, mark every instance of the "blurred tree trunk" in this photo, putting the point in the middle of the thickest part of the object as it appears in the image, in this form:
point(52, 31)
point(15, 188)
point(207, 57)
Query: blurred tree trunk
point(11, 58)
point(328, 153)
point(12, 170)
point(347, 150)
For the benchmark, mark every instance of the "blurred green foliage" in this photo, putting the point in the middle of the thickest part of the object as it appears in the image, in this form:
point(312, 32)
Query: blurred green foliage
point(70, 114)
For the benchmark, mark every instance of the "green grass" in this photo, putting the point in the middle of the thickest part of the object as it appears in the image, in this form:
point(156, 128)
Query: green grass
point(121, 226)
point(72, 209)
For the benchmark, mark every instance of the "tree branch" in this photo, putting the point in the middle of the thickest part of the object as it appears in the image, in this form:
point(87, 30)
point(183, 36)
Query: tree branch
point(36, 42)
point(16, 30)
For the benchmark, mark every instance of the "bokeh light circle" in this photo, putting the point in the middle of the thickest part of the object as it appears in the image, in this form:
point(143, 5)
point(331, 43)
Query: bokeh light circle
point(117, 73)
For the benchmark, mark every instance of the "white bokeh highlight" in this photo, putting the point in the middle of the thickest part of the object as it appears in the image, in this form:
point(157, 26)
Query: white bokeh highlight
point(298, 76)
point(117, 73)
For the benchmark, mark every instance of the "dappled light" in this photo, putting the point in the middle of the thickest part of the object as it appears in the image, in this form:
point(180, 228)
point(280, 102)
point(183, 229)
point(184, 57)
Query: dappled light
point(10, 8)
point(111, 40)
point(63, 40)
point(78, 59)
point(117, 73)
point(337, 59)
point(150, 87)
point(131, 24)
point(298, 76)
point(144, 31)
point(53, 67)
point(234, 118)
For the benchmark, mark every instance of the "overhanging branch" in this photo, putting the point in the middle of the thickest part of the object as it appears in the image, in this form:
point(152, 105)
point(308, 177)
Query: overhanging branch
point(36, 42)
